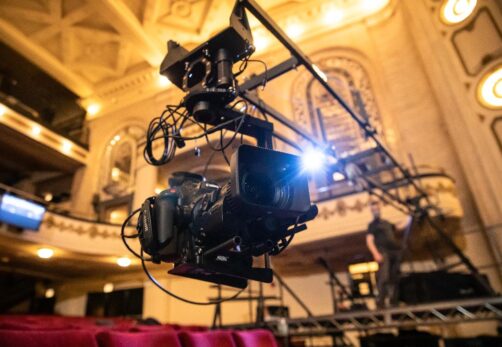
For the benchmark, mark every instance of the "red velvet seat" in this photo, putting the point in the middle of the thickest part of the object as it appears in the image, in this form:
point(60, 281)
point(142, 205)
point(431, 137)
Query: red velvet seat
point(192, 328)
point(28, 325)
point(73, 338)
point(255, 338)
point(151, 328)
point(138, 339)
point(207, 339)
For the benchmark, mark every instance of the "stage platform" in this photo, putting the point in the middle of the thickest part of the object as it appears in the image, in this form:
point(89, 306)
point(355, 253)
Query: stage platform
point(437, 313)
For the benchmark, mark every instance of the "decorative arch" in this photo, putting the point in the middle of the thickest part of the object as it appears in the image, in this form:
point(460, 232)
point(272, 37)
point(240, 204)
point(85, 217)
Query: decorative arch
point(118, 162)
point(323, 116)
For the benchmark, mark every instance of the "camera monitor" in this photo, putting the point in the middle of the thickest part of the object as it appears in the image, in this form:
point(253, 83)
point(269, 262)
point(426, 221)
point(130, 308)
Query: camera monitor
point(20, 212)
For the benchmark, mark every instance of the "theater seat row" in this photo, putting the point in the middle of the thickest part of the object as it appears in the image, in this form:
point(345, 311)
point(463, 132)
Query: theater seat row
point(159, 338)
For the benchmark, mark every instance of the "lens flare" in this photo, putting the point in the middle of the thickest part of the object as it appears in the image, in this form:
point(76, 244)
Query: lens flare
point(313, 160)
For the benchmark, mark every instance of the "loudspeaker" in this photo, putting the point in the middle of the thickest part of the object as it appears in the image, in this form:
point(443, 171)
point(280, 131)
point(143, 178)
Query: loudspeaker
point(424, 287)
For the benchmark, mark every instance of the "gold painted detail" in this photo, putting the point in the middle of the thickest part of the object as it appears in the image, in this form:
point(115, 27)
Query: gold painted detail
point(92, 230)
point(342, 207)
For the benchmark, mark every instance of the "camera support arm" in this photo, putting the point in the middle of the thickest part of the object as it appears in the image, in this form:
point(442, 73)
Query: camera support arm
point(298, 57)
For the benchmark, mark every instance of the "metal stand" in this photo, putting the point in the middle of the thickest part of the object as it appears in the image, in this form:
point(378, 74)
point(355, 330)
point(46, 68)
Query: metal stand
point(333, 282)
point(217, 318)
point(451, 312)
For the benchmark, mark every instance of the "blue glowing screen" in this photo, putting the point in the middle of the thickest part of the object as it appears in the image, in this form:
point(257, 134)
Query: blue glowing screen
point(20, 212)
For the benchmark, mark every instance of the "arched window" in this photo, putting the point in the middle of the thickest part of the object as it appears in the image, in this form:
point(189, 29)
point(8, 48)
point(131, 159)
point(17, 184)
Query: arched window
point(315, 109)
point(118, 172)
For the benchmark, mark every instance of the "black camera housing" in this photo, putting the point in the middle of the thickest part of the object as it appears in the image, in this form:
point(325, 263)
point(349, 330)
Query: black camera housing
point(285, 187)
point(205, 73)
point(212, 232)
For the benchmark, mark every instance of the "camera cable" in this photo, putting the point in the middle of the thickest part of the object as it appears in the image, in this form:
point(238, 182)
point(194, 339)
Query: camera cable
point(200, 303)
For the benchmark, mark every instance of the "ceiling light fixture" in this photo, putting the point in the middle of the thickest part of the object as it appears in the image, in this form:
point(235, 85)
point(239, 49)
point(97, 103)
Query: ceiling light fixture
point(36, 130)
point(66, 147)
point(123, 261)
point(45, 253)
point(108, 288)
point(456, 11)
point(93, 109)
point(115, 173)
point(49, 293)
point(490, 89)
point(3, 110)
point(48, 197)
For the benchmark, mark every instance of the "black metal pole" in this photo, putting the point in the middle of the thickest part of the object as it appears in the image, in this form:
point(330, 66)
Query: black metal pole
point(303, 59)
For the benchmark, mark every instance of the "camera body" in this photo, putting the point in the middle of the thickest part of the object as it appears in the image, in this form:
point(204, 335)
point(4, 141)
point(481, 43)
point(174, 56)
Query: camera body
point(212, 232)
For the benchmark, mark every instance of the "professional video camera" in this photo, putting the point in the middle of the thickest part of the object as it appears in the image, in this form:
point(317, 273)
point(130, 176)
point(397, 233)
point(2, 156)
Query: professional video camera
point(212, 232)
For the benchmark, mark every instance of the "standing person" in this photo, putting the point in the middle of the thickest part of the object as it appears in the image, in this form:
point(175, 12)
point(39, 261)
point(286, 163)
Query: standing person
point(386, 250)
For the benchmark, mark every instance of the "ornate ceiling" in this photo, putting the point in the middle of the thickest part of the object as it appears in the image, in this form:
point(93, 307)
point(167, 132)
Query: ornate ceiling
point(103, 49)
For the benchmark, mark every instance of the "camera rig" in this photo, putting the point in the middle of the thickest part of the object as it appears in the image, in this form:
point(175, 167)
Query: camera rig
point(205, 75)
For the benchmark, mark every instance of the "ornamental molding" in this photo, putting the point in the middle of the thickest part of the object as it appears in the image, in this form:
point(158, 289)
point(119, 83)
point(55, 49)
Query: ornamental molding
point(344, 206)
point(81, 228)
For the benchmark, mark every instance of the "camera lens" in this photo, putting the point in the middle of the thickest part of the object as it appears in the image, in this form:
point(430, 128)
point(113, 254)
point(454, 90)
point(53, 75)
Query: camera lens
point(261, 189)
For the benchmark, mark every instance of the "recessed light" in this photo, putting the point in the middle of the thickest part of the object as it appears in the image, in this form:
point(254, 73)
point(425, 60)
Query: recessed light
point(66, 147)
point(36, 130)
point(108, 288)
point(49, 293)
point(93, 109)
point(163, 81)
point(45, 253)
point(48, 197)
point(123, 261)
point(490, 89)
point(456, 11)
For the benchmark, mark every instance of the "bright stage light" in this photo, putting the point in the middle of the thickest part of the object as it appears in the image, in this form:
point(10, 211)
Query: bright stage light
point(313, 160)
